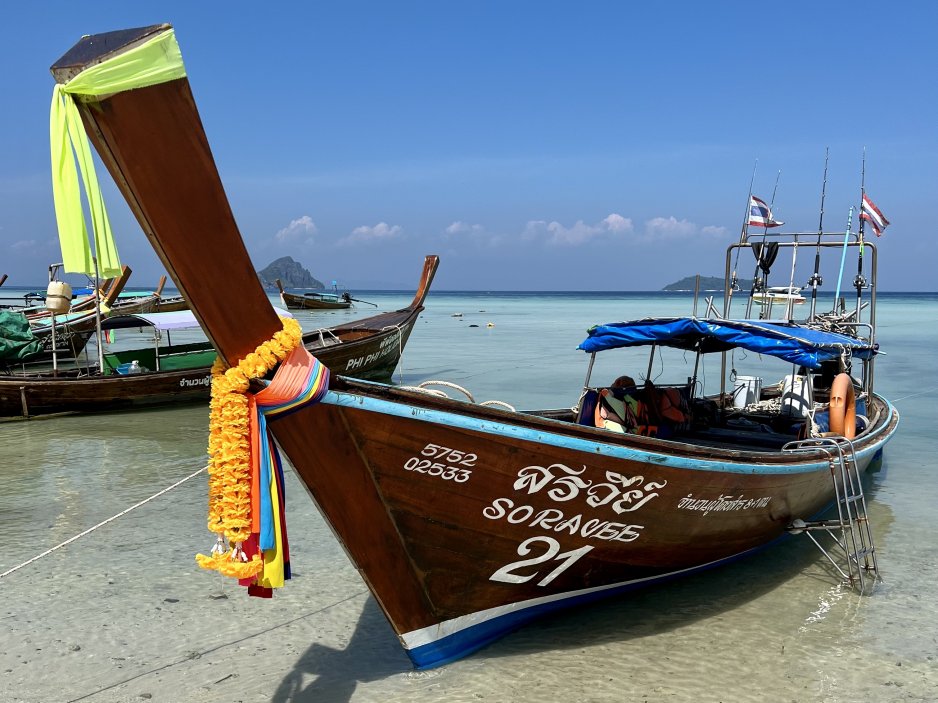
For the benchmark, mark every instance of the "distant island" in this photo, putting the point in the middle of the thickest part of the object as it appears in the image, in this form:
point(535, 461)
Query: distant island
point(291, 273)
point(707, 283)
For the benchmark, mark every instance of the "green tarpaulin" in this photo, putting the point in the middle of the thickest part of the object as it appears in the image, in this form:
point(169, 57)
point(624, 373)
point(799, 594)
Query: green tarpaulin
point(16, 339)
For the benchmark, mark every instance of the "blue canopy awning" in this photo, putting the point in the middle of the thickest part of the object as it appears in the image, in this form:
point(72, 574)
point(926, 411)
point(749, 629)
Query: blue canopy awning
point(794, 343)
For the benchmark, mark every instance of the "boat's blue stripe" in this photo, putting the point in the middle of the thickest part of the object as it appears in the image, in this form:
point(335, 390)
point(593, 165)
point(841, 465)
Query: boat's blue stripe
point(476, 424)
point(474, 637)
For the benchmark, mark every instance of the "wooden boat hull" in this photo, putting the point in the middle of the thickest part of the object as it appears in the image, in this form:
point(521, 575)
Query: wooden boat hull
point(43, 395)
point(72, 336)
point(368, 348)
point(302, 302)
point(466, 523)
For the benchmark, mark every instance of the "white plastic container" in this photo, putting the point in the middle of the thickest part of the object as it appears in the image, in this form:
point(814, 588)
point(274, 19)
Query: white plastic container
point(796, 396)
point(748, 390)
point(58, 297)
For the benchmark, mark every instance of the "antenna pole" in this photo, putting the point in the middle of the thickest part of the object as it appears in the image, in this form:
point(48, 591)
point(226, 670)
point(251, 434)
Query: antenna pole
point(743, 236)
point(860, 282)
point(816, 279)
point(843, 257)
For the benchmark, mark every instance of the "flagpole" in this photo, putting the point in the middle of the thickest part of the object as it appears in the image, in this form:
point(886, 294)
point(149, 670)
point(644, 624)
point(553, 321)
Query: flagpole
point(860, 282)
point(743, 237)
point(765, 231)
point(816, 279)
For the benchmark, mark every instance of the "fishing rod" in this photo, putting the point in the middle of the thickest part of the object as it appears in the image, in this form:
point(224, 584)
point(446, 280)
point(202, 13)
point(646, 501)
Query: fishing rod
point(843, 257)
point(860, 282)
point(790, 311)
point(743, 237)
point(816, 279)
point(762, 252)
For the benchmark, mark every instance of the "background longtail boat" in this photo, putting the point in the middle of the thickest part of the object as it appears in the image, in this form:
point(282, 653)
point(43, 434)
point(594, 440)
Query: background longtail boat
point(467, 521)
point(366, 348)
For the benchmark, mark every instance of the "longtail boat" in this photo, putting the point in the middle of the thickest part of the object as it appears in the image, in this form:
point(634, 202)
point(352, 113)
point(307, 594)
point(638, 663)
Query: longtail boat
point(67, 334)
point(466, 520)
point(367, 348)
point(314, 300)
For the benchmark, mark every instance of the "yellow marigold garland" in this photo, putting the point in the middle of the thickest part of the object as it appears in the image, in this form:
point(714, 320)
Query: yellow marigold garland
point(229, 468)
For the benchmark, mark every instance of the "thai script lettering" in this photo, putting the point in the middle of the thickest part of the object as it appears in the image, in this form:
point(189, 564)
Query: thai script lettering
point(192, 382)
point(722, 504)
point(624, 494)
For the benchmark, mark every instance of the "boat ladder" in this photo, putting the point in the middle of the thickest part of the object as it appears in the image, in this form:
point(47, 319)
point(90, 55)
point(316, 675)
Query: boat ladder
point(854, 556)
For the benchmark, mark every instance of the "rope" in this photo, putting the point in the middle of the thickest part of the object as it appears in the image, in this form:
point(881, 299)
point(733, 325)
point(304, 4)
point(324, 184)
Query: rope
point(101, 524)
point(400, 348)
point(446, 384)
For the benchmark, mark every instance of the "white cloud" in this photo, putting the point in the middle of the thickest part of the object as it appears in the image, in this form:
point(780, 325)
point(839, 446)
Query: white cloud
point(300, 229)
point(580, 233)
point(24, 245)
point(713, 231)
point(379, 233)
point(460, 227)
point(669, 228)
point(616, 223)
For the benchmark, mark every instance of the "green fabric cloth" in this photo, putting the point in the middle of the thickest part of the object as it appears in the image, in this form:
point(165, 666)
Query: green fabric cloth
point(157, 60)
point(16, 339)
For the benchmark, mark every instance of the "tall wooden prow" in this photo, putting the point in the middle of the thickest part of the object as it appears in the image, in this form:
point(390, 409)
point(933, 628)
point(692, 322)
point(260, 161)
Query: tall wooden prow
point(152, 141)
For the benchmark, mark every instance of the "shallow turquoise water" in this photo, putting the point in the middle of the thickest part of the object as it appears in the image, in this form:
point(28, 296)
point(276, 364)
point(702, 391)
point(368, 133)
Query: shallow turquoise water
point(145, 620)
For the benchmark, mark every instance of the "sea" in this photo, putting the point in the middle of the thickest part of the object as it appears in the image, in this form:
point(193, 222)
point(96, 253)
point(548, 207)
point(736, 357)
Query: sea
point(104, 515)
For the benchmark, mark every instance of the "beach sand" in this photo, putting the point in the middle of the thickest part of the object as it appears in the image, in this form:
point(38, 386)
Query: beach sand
point(124, 614)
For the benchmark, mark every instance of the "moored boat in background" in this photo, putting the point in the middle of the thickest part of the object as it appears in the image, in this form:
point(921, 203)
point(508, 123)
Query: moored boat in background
point(481, 518)
point(779, 295)
point(367, 348)
point(314, 300)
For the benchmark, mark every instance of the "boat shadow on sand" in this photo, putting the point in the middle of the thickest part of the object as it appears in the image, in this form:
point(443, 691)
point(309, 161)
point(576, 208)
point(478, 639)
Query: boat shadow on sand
point(373, 653)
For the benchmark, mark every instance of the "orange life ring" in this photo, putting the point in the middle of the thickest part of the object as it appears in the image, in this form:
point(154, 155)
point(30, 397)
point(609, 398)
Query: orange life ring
point(843, 406)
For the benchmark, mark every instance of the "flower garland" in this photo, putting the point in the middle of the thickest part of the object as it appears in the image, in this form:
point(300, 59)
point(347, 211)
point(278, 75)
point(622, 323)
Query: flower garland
point(229, 448)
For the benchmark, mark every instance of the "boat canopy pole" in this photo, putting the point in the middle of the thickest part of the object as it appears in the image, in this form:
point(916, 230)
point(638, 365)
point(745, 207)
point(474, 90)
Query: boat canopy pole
point(693, 381)
point(589, 370)
point(860, 282)
point(651, 362)
point(816, 279)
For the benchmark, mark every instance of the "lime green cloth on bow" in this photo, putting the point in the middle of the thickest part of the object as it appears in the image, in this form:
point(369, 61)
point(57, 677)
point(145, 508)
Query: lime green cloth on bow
point(157, 60)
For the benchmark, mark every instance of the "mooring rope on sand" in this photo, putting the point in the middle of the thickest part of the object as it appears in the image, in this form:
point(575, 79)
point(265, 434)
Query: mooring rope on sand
point(103, 523)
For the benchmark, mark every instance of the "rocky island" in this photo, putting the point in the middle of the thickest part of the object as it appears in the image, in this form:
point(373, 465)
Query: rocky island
point(291, 273)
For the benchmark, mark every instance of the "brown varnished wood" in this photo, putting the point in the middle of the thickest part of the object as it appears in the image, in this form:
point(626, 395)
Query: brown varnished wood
point(153, 144)
point(351, 503)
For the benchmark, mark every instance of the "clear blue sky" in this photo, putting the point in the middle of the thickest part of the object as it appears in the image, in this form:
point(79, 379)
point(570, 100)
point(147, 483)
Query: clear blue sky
point(533, 145)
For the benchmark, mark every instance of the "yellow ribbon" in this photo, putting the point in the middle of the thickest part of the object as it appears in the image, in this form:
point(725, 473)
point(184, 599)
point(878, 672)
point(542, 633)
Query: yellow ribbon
point(157, 60)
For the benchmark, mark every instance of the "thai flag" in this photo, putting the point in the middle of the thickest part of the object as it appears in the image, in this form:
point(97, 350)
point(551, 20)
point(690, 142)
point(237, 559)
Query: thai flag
point(871, 213)
point(760, 215)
